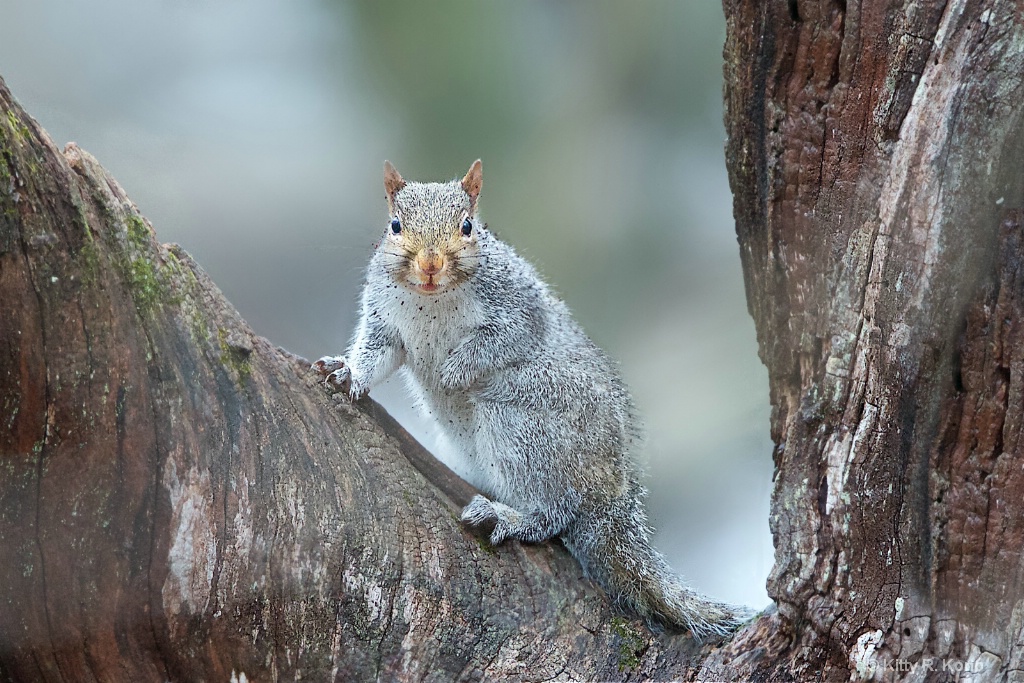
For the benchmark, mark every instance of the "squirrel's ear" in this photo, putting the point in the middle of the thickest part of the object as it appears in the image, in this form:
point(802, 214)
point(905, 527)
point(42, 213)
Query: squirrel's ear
point(473, 181)
point(393, 182)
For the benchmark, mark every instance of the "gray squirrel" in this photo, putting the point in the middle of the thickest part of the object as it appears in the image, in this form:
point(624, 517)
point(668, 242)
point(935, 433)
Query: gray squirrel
point(538, 412)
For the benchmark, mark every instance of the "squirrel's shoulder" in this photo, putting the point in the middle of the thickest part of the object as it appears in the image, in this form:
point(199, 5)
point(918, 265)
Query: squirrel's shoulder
point(511, 282)
point(504, 274)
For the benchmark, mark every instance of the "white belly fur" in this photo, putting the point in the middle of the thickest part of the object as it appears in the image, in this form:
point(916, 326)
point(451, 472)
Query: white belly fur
point(430, 327)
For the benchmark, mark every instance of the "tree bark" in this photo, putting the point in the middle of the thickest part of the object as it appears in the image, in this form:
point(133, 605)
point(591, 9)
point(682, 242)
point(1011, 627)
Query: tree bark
point(876, 156)
point(180, 500)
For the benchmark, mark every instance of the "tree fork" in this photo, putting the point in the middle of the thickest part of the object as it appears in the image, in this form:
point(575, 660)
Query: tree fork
point(179, 500)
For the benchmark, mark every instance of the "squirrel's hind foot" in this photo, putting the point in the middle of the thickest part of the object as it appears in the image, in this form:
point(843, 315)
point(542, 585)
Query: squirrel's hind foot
point(481, 511)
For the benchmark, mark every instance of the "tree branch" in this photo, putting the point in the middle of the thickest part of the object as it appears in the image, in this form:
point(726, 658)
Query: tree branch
point(181, 500)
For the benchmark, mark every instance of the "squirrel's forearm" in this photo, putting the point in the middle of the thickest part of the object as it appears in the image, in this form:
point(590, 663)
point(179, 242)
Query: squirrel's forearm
point(375, 353)
point(489, 347)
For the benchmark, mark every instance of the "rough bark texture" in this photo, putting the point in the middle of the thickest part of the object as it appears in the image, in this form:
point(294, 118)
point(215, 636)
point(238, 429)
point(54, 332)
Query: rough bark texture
point(180, 500)
point(876, 156)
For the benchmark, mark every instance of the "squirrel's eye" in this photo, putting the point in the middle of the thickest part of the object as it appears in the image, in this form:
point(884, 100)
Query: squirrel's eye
point(396, 226)
point(467, 227)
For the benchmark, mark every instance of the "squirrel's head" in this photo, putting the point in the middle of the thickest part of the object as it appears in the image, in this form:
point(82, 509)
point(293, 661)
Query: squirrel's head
point(432, 231)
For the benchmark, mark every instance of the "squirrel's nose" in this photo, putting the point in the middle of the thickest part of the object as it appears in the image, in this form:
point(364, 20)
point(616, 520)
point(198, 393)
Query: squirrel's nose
point(430, 261)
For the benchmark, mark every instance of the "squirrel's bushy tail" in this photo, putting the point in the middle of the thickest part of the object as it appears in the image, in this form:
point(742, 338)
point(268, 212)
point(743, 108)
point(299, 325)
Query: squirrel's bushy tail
point(614, 550)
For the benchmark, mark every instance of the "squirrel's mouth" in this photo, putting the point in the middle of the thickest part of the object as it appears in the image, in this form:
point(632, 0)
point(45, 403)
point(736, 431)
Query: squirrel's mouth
point(431, 283)
point(428, 284)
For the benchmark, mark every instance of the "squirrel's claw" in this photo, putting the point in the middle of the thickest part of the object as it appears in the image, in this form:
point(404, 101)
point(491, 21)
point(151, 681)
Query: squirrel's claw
point(340, 379)
point(327, 365)
point(336, 374)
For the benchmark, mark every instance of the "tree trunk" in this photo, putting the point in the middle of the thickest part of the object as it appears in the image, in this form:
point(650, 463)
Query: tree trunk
point(876, 156)
point(180, 500)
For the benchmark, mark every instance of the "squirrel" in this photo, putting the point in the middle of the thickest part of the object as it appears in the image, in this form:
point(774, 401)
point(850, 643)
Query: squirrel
point(539, 413)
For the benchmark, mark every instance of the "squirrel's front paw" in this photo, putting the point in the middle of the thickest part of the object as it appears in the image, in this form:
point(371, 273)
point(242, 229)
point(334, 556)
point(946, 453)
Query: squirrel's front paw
point(455, 373)
point(335, 372)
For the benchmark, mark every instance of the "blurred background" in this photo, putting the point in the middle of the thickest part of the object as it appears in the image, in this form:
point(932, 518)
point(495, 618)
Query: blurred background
point(254, 132)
